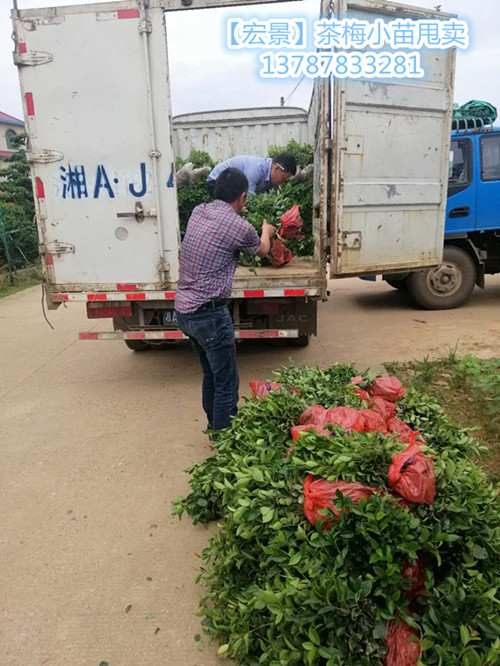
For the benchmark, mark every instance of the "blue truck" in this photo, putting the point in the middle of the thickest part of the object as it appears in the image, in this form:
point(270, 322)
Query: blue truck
point(472, 231)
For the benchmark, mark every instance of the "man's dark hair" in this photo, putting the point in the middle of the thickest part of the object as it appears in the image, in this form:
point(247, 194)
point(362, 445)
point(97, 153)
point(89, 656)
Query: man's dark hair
point(230, 184)
point(287, 161)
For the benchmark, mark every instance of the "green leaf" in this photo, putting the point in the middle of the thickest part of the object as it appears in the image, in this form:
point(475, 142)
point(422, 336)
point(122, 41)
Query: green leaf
point(379, 630)
point(464, 634)
point(257, 474)
point(314, 636)
point(223, 649)
point(267, 514)
point(479, 552)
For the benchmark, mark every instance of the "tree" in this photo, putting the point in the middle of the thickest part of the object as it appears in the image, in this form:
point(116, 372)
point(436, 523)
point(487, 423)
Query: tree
point(18, 209)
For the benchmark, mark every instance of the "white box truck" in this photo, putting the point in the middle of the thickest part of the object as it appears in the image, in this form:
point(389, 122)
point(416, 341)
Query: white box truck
point(95, 87)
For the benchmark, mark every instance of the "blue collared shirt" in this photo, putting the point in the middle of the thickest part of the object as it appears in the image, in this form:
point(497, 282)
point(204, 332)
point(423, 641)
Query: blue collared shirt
point(256, 169)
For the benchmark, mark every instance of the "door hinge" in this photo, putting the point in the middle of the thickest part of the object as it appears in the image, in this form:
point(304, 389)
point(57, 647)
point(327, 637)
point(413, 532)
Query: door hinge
point(351, 240)
point(57, 247)
point(45, 157)
point(32, 58)
point(163, 269)
point(145, 27)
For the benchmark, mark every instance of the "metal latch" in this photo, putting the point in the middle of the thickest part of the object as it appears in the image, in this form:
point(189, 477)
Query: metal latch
point(351, 240)
point(57, 247)
point(32, 58)
point(45, 156)
point(139, 212)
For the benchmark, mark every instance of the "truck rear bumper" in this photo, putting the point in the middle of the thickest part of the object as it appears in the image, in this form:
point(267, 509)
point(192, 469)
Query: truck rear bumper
point(103, 296)
point(176, 335)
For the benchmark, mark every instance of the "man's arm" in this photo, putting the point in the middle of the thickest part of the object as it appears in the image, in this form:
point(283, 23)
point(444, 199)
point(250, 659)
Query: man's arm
point(218, 169)
point(266, 236)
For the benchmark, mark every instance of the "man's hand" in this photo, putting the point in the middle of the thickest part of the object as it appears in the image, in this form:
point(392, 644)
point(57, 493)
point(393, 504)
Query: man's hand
point(268, 230)
point(266, 235)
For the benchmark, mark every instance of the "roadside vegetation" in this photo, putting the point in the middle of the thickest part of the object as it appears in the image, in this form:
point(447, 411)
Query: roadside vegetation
point(468, 389)
point(21, 280)
point(18, 234)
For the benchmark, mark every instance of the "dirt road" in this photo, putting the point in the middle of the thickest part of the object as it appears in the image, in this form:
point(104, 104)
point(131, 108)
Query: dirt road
point(94, 441)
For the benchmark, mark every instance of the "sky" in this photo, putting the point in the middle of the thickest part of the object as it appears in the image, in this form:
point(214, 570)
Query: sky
point(204, 75)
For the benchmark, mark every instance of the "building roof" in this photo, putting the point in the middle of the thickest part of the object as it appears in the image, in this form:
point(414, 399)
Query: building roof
point(7, 119)
point(5, 154)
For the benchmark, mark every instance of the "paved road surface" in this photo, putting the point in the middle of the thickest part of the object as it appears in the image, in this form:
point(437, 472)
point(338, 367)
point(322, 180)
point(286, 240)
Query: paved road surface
point(94, 441)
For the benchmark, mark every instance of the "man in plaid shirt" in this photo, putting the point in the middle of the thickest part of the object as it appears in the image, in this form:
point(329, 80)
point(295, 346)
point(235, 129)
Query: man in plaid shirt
point(215, 235)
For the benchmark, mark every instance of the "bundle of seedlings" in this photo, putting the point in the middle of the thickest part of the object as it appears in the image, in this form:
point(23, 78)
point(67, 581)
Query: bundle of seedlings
point(354, 528)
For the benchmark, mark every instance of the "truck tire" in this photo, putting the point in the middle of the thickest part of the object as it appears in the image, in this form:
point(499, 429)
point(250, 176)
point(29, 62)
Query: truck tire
point(137, 345)
point(301, 341)
point(447, 286)
point(402, 285)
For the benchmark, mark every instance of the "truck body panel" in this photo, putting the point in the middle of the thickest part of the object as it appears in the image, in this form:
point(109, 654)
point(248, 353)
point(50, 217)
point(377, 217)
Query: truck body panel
point(98, 123)
point(391, 141)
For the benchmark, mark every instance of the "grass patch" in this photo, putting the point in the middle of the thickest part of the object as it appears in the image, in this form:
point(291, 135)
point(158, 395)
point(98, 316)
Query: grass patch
point(468, 389)
point(22, 280)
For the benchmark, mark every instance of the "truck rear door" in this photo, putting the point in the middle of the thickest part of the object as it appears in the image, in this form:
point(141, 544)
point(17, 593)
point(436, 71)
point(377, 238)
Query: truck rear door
point(94, 84)
point(390, 159)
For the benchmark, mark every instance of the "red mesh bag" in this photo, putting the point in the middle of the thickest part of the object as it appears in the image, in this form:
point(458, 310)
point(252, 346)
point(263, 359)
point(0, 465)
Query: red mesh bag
point(373, 422)
point(262, 389)
point(386, 409)
point(320, 495)
point(281, 255)
point(389, 388)
point(316, 414)
point(415, 574)
point(291, 224)
point(403, 431)
point(346, 417)
point(297, 430)
point(411, 475)
point(360, 392)
point(402, 643)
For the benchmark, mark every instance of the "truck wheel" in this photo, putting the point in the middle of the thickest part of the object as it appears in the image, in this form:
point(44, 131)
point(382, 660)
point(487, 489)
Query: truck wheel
point(301, 341)
point(402, 285)
point(447, 286)
point(137, 345)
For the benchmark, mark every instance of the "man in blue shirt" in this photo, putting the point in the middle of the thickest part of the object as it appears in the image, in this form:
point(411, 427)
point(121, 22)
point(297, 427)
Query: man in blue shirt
point(262, 172)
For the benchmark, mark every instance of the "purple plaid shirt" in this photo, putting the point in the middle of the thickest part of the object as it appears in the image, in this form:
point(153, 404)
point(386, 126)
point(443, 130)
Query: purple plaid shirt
point(209, 254)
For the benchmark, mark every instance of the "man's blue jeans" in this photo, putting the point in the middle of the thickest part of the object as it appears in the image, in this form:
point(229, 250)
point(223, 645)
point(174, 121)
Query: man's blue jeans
point(212, 335)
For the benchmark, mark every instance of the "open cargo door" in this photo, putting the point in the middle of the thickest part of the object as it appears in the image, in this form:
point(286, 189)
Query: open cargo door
point(390, 159)
point(97, 111)
point(320, 127)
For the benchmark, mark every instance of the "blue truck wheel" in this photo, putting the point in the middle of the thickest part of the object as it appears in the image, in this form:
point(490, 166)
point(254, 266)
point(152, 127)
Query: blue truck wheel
point(447, 286)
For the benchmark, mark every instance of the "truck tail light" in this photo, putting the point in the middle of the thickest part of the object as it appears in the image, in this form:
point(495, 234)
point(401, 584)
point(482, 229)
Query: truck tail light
point(106, 310)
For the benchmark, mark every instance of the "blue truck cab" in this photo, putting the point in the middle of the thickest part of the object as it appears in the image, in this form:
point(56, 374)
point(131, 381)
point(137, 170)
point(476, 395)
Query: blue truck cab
point(472, 230)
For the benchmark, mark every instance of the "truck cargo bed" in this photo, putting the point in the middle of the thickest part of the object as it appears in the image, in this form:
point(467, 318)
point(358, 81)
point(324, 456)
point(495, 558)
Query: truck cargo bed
point(301, 272)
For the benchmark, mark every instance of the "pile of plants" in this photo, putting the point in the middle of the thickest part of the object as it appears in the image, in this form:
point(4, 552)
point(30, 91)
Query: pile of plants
point(270, 205)
point(359, 540)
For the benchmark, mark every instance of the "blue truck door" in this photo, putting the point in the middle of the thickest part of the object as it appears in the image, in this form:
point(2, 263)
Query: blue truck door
point(488, 189)
point(461, 208)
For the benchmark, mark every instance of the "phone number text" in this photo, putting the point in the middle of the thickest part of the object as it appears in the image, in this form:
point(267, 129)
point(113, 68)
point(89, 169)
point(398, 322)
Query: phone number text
point(342, 65)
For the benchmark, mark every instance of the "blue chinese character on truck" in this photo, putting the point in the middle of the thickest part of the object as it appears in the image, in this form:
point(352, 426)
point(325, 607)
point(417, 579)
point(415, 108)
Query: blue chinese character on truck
point(76, 181)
